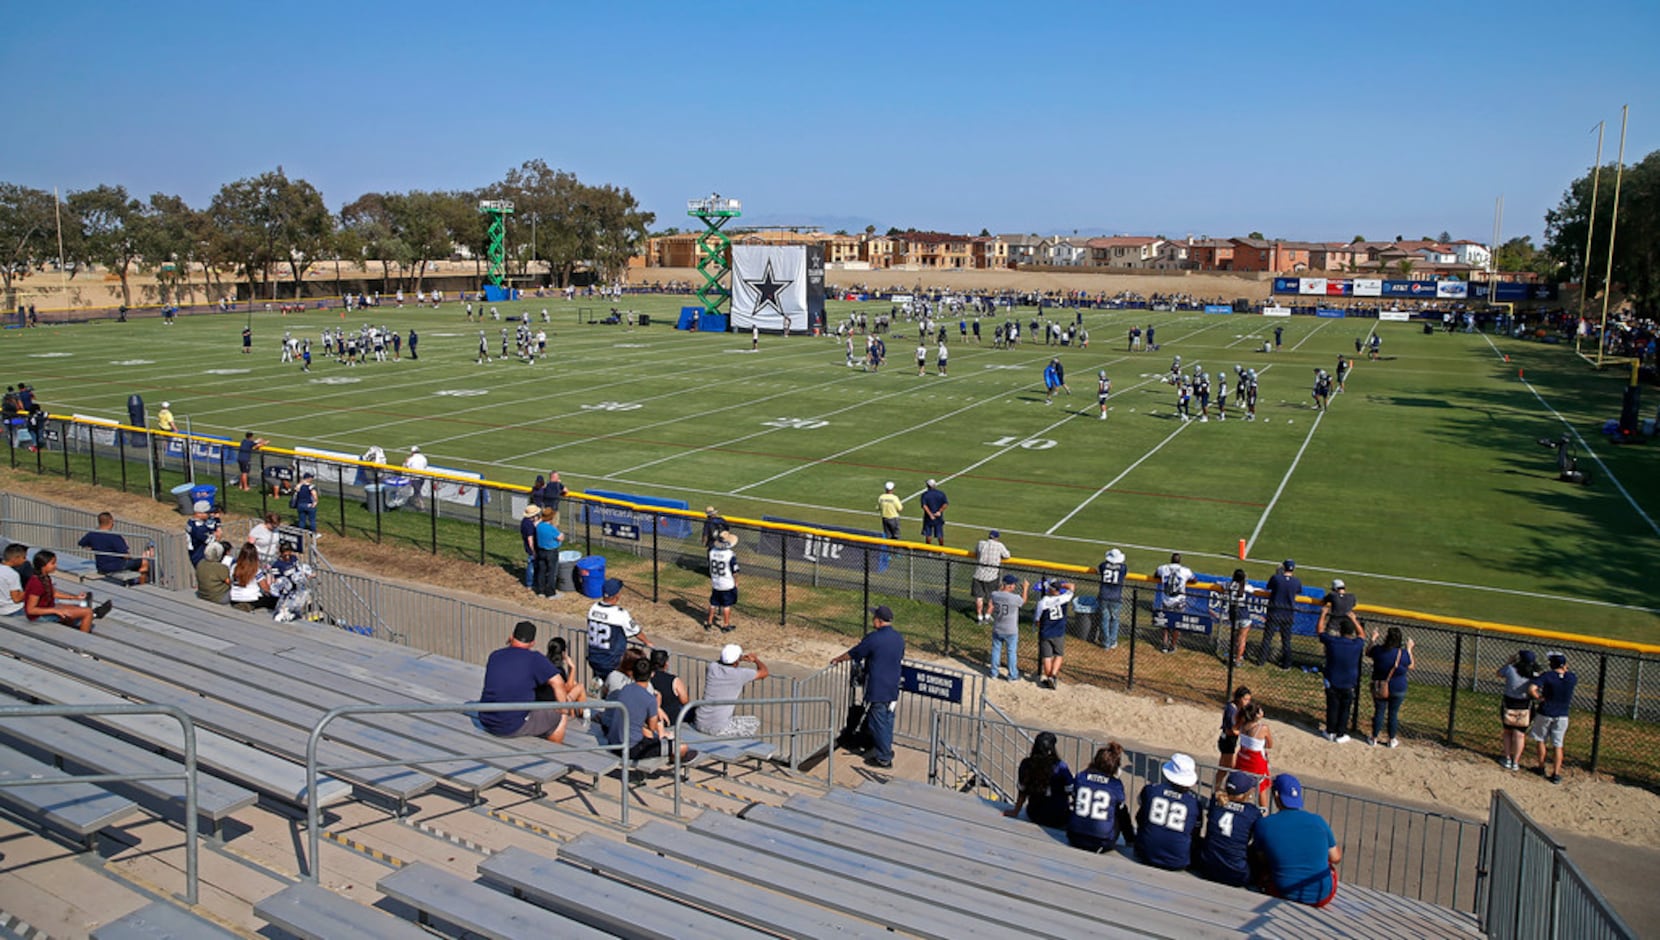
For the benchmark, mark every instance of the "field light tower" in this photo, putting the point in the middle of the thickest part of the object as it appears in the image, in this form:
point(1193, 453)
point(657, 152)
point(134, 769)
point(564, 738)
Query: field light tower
point(495, 254)
point(714, 249)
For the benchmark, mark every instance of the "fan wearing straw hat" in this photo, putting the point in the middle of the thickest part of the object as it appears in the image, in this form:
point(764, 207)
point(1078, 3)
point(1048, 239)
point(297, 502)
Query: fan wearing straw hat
point(1167, 820)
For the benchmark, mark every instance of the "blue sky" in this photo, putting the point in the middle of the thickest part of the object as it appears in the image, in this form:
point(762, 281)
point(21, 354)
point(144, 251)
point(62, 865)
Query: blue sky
point(1312, 121)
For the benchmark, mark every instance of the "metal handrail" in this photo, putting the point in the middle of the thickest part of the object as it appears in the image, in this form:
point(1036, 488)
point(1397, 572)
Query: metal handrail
point(313, 768)
point(188, 773)
point(321, 565)
point(791, 733)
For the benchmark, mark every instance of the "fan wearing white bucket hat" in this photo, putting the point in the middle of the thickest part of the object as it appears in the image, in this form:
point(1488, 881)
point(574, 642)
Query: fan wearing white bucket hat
point(1167, 821)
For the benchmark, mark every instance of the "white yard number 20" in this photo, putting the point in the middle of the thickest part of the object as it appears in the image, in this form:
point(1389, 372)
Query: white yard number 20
point(1162, 812)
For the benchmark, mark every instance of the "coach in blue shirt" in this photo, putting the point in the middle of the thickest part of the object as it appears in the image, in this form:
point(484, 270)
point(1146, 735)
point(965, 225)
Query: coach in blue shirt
point(880, 653)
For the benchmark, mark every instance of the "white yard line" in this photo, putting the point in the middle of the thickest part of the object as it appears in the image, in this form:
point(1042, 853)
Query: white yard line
point(1311, 333)
point(1583, 445)
point(1250, 542)
point(1126, 472)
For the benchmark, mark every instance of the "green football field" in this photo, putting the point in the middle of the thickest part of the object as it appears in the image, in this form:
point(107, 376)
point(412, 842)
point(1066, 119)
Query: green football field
point(1423, 486)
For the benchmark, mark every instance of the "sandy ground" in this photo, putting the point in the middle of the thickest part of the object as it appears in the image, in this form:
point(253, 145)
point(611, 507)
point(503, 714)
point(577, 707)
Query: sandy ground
point(1417, 772)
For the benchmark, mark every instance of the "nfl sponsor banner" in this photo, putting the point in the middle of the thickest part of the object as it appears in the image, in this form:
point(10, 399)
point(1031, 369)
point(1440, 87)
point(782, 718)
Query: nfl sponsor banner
point(1276, 311)
point(627, 523)
point(769, 287)
point(1453, 289)
point(1329, 313)
point(1337, 288)
point(1420, 289)
point(211, 449)
point(325, 470)
point(1368, 287)
point(1394, 316)
point(1312, 286)
point(1288, 285)
point(900, 299)
point(823, 550)
point(462, 492)
point(103, 429)
point(1218, 308)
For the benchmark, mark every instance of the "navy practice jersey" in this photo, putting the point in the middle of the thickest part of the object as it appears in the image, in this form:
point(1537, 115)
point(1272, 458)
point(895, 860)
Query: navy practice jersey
point(1165, 826)
point(1097, 800)
point(1227, 832)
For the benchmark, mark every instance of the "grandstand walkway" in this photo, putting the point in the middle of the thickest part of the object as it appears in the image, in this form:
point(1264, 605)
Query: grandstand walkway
point(449, 841)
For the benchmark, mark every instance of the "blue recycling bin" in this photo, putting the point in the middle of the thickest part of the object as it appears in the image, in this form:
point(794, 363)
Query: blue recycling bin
point(590, 575)
point(205, 491)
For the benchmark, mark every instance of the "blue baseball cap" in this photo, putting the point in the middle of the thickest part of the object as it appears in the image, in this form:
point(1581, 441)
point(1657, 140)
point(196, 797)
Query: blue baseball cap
point(1289, 790)
point(1241, 782)
point(612, 587)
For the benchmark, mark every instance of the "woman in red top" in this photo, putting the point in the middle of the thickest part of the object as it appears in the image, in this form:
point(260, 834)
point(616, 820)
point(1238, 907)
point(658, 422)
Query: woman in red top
point(1255, 739)
point(40, 597)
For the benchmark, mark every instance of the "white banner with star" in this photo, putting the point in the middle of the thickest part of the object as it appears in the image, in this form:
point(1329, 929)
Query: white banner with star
point(769, 287)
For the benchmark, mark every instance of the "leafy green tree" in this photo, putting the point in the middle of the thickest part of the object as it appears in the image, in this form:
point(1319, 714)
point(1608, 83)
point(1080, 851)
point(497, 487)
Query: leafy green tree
point(1256, 235)
point(1636, 243)
point(263, 220)
point(1444, 237)
point(26, 228)
point(169, 237)
point(1357, 240)
point(105, 219)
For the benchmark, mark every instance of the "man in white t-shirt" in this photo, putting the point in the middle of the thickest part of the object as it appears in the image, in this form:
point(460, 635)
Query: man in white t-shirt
point(416, 461)
point(723, 581)
point(11, 583)
point(1172, 590)
point(725, 681)
point(989, 555)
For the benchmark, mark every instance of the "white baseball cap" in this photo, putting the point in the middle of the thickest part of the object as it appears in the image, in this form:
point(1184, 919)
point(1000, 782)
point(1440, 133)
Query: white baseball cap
point(933, 483)
point(888, 485)
point(167, 404)
point(730, 653)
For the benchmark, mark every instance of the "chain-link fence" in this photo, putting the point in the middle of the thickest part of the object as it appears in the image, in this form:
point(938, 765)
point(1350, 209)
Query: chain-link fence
point(828, 579)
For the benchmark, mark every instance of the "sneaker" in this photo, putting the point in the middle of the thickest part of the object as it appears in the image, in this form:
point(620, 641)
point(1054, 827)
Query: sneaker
point(993, 673)
point(1394, 742)
point(878, 763)
point(1371, 742)
point(1555, 778)
point(1342, 739)
point(689, 756)
point(99, 612)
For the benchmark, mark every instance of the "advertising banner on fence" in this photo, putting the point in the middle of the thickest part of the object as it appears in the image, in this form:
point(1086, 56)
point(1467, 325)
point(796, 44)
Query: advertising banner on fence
point(1453, 289)
point(1337, 288)
point(325, 470)
point(103, 429)
point(674, 527)
point(1329, 313)
point(1394, 316)
point(456, 491)
point(1287, 285)
point(819, 549)
point(1420, 289)
point(211, 449)
point(1218, 308)
point(1368, 287)
point(1312, 286)
point(1276, 311)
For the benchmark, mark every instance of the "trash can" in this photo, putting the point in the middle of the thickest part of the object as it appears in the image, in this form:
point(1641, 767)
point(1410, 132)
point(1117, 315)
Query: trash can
point(205, 491)
point(396, 491)
point(371, 492)
point(182, 494)
point(1083, 605)
point(567, 570)
point(590, 575)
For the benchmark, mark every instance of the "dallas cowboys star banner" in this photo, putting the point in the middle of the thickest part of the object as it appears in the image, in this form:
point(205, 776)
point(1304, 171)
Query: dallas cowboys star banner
point(773, 286)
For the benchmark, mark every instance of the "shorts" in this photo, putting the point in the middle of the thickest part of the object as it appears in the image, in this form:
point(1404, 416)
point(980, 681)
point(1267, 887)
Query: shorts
point(1227, 744)
point(890, 527)
point(539, 724)
point(934, 527)
point(647, 749)
point(1050, 647)
point(1546, 728)
point(244, 466)
point(982, 590)
point(726, 598)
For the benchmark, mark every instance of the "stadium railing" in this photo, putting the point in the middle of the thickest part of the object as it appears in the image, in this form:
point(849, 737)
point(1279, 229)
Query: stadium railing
point(827, 579)
point(1534, 891)
point(1415, 853)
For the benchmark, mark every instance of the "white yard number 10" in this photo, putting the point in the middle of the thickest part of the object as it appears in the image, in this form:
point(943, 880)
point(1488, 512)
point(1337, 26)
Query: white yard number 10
point(1162, 812)
point(1030, 443)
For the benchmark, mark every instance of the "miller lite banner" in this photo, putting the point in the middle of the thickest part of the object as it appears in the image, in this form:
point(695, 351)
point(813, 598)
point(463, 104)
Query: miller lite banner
point(777, 287)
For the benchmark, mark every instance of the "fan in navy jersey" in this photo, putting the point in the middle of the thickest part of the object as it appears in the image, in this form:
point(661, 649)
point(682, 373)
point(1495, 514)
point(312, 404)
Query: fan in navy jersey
point(1044, 781)
point(1167, 821)
point(1228, 829)
point(1099, 814)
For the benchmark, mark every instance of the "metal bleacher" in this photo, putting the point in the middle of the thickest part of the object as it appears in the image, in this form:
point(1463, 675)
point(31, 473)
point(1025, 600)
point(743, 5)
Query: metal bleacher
point(480, 846)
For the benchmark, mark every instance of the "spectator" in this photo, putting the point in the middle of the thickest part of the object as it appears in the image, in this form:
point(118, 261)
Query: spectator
point(1167, 821)
point(536, 489)
point(213, 577)
point(1341, 671)
point(1293, 852)
point(41, 599)
point(1256, 739)
point(640, 727)
point(890, 506)
point(1110, 595)
point(249, 586)
point(671, 692)
point(714, 525)
point(624, 673)
point(1172, 578)
point(990, 553)
point(1044, 784)
point(514, 673)
point(553, 492)
point(527, 535)
point(1228, 827)
point(1227, 743)
point(11, 580)
point(1554, 691)
point(1516, 705)
point(1391, 661)
point(304, 502)
point(933, 514)
point(1005, 625)
point(263, 537)
point(548, 539)
point(1283, 590)
point(880, 654)
point(1050, 618)
point(289, 581)
point(245, 457)
point(164, 418)
point(1236, 612)
point(563, 687)
point(723, 582)
point(610, 629)
point(110, 554)
point(416, 464)
point(725, 680)
point(200, 528)
point(1099, 813)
